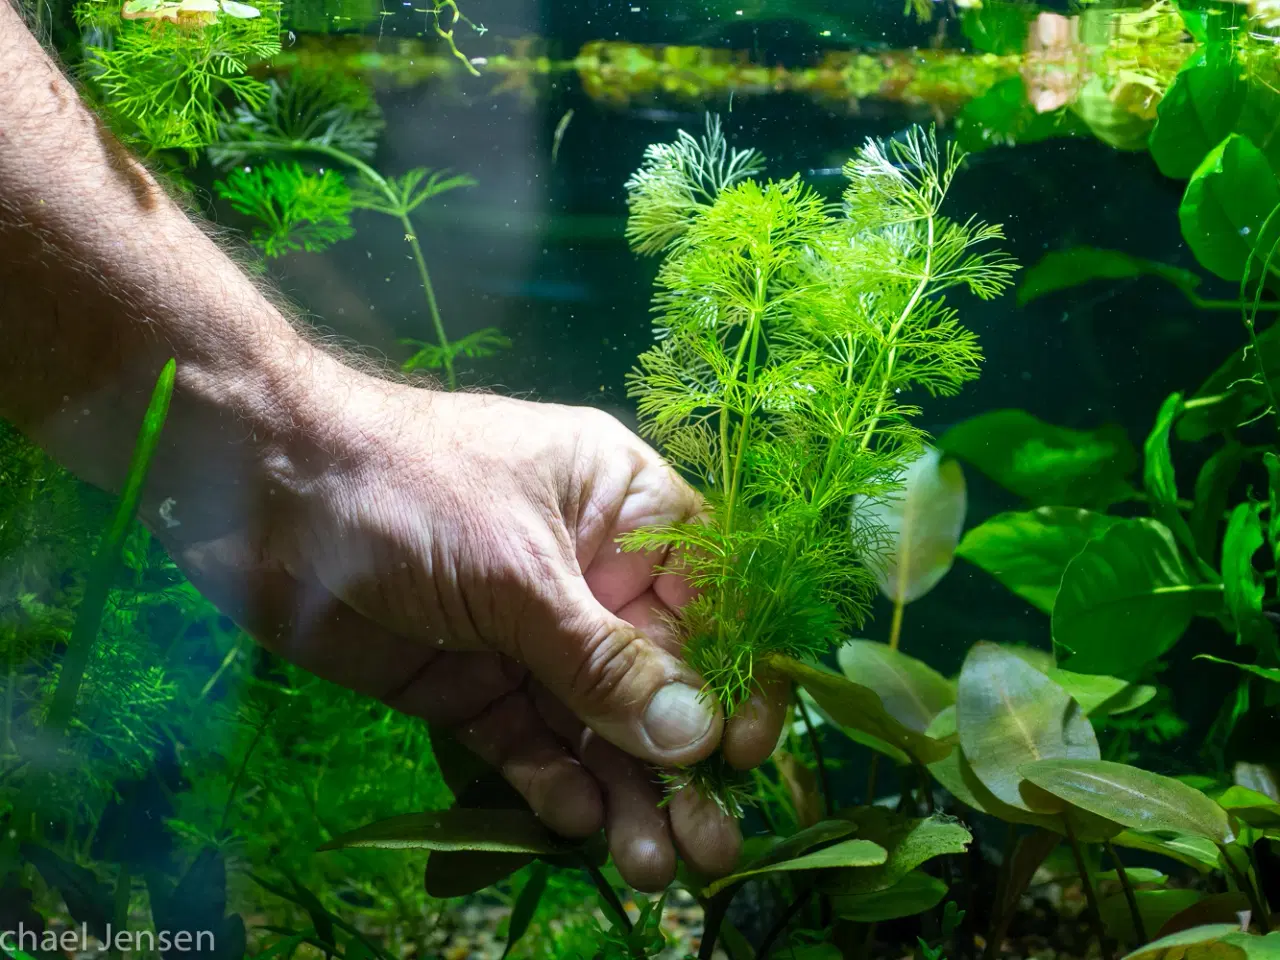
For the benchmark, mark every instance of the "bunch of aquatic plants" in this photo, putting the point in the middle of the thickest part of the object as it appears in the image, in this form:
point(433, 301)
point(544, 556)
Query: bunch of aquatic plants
point(790, 339)
point(164, 81)
point(324, 118)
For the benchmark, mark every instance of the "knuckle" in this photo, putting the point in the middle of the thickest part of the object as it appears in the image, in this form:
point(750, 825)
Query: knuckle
point(610, 656)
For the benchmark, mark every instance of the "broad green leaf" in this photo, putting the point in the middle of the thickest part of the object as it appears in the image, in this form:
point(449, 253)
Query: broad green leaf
point(1102, 695)
point(1195, 852)
point(1004, 116)
point(1009, 714)
point(1272, 463)
point(241, 11)
point(1065, 269)
point(1213, 487)
point(1254, 808)
point(88, 900)
point(1028, 550)
point(1256, 777)
point(911, 691)
point(1229, 197)
point(526, 906)
point(847, 853)
point(804, 840)
point(460, 873)
point(1136, 875)
point(1266, 673)
point(998, 26)
point(1180, 945)
point(1136, 798)
point(918, 526)
point(1125, 600)
point(854, 705)
point(494, 831)
point(1157, 908)
point(1048, 465)
point(908, 841)
point(1157, 468)
point(1214, 908)
point(320, 917)
point(915, 893)
point(1242, 586)
point(1233, 394)
point(1209, 99)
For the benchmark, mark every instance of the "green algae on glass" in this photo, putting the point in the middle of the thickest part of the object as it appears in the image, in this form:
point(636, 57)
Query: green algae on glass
point(786, 335)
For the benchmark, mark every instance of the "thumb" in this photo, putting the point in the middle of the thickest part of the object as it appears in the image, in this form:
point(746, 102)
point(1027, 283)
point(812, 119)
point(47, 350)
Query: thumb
point(621, 683)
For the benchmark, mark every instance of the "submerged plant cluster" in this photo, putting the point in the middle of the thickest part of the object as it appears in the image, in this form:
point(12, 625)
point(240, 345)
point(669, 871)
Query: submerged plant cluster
point(158, 770)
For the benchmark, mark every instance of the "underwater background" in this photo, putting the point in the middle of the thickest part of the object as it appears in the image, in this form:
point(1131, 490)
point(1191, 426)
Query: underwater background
point(204, 774)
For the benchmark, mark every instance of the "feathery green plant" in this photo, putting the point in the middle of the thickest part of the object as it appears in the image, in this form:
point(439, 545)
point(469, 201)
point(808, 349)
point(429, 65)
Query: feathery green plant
point(318, 115)
point(296, 209)
point(165, 83)
point(788, 336)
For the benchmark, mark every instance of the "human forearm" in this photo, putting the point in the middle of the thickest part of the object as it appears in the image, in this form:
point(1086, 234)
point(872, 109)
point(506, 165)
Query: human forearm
point(103, 277)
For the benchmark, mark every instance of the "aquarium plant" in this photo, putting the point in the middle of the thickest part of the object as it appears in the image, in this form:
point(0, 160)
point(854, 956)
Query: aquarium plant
point(321, 118)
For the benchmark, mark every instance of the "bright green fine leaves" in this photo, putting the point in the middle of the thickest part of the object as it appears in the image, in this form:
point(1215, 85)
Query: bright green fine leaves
point(494, 831)
point(1230, 195)
point(1125, 599)
point(1208, 100)
point(1048, 465)
point(1138, 799)
point(788, 335)
point(1027, 551)
point(919, 526)
point(910, 690)
point(913, 894)
point(1065, 269)
point(860, 708)
point(1009, 714)
point(295, 209)
point(106, 561)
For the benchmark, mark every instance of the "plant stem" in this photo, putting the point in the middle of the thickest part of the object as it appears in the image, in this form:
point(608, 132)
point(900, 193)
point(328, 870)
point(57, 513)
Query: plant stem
point(1090, 895)
point(608, 893)
point(712, 916)
point(895, 629)
point(1139, 927)
point(239, 777)
point(120, 911)
point(872, 771)
point(828, 798)
point(1265, 921)
point(397, 209)
point(107, 559)
point(430, 291)
point(784, 920)
point(1247, 888)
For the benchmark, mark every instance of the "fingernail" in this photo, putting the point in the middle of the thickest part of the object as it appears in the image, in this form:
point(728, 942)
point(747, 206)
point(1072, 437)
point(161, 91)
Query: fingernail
point(678, 716)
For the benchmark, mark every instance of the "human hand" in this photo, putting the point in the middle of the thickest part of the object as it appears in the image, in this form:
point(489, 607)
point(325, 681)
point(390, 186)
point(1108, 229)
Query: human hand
point(455, 556)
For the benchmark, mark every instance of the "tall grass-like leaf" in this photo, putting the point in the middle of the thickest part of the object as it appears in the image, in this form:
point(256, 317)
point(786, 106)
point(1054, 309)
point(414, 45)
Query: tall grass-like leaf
point(1009, 714)
point(1137, 798)
point(107, 558)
